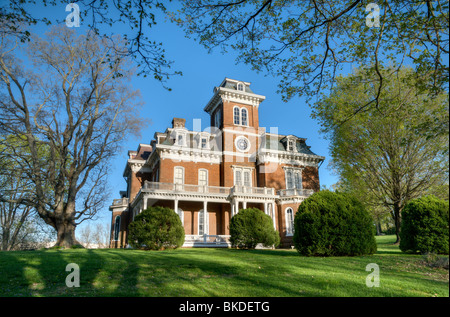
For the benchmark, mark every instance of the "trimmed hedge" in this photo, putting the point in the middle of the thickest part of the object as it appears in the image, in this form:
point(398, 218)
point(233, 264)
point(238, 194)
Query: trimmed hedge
point(425, 226)
point(156, 228)
point(333, 224)
point(252, 226)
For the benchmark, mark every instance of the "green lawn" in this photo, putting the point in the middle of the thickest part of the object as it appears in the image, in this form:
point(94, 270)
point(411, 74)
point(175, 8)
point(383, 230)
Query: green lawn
point(217, 272)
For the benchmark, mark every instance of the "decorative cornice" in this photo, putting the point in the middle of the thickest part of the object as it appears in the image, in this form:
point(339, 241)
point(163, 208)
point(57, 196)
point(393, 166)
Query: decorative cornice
point(292, 158)
point(226, 94)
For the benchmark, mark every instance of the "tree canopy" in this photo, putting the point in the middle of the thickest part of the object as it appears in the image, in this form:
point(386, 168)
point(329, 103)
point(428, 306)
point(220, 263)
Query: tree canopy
point(307, 43)
point(383, 152)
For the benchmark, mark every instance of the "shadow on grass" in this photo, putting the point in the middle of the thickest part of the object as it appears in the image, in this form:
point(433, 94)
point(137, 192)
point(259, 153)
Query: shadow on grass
point(202, 272)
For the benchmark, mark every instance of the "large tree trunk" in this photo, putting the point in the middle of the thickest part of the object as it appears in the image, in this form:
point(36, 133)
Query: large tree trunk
point(65, 232)
point(65, 226)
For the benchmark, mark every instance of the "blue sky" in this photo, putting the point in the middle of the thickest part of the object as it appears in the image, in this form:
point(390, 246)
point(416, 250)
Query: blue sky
point(191, 91)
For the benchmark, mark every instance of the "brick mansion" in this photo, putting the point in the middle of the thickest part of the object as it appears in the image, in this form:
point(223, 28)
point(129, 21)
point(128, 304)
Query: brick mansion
point(206, 176)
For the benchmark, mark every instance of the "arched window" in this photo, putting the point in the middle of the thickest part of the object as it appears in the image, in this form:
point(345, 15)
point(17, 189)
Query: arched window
point(203, 177)
point(244, 116)
point(237, 115)
point(116, 228)
point(240, 86)
point(289, 221)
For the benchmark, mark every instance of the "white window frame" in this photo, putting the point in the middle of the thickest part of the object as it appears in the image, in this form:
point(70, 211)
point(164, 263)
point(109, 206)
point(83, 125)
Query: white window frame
point(242, 170)
point(289, 221)
point(206, 174)
point(236, 115)
point(295, 179)
point(290, 179)
point(246, 117)
point(291, 145)
point(175, 174)
point(183, 136)
point(201, 143)
point(240, 85)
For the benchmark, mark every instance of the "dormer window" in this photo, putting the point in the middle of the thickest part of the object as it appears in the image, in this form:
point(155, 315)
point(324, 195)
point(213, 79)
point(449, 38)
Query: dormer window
point(204, 143)
point(240, 86)
point(291, 145)
point(180, 138)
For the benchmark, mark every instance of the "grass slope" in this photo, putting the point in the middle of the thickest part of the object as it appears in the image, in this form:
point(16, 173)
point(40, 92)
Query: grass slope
point(217, 272)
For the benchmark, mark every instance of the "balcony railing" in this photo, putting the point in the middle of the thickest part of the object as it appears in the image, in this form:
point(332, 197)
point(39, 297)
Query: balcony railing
point(156, 186)
point(295, 192)
point(252, 190)
point(218, 190)
point(120, 202)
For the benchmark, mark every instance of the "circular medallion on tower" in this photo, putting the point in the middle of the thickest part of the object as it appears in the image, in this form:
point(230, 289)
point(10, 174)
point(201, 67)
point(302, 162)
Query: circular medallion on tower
point(242, 144)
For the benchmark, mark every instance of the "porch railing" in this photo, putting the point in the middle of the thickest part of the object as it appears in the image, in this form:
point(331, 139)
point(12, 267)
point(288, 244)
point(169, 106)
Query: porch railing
point(171, 187)
point(295, 192)
point(186, 188)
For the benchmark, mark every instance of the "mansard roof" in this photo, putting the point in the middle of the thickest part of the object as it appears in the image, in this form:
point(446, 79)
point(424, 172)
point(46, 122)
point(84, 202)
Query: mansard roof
point(281, 144)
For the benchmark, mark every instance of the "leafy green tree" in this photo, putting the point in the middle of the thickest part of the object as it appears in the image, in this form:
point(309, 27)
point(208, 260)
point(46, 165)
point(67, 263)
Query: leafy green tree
point(250, 227)
point(425, 226)
point(333, 224)
point(383, 153)
point(156, 228)
point(307, 43)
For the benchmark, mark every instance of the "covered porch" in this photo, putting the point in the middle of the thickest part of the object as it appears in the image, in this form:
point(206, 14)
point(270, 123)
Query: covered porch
point(205, 211)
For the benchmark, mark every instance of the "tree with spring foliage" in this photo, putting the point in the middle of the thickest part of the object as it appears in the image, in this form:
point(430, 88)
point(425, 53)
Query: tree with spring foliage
point(307, 43)
point(393, 153)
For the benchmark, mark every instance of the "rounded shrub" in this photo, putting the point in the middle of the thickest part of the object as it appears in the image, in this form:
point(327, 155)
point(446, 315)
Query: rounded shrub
point(333, 224)
point(425, 225)
point(252, 226)
point(156, 228)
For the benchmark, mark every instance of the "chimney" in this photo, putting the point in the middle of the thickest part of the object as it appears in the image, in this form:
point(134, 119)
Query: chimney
point(178, 123)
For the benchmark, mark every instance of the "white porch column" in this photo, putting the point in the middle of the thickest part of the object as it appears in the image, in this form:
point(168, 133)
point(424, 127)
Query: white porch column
point(145, 202)
point(272, 212)
point(244, 204)
point(232, 208)
point(265, 208)
point(236, 206)
point(205, 218)
point(175, 207)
